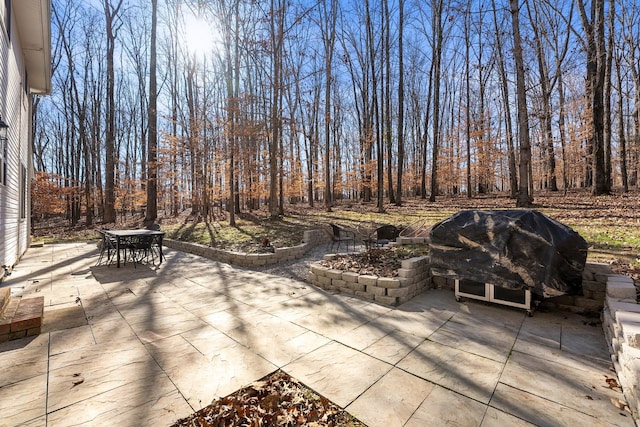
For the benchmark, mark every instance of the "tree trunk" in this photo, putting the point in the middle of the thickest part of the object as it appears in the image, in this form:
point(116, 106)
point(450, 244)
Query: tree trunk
point(524, 198)
point(504, 86)
point(110, 13)
point(596, 57)
point(400, 136)
point(152, 162)
point(436, 7)
point(622, 138)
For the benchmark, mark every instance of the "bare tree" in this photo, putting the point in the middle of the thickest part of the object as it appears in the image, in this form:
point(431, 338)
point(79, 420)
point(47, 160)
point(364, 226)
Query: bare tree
point(504, 86)
point(329, 12)
point(593, 23)
point(400, 135)
point(152, 161)
point(111, 26)
point(437, 31)
point(524, 198)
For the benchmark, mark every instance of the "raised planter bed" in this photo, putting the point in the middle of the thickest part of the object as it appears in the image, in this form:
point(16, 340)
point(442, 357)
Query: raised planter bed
point(413, 278)
point(311, 238)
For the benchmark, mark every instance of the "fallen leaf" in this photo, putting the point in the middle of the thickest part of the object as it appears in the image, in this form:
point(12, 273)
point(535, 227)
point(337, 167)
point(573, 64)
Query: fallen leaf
point(619, 403)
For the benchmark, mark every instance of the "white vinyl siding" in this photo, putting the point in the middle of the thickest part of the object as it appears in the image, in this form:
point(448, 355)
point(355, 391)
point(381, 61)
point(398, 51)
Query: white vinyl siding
point(14, 197)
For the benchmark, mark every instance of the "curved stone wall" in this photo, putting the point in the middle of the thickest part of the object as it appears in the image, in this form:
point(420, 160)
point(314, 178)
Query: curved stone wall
point(311, 238)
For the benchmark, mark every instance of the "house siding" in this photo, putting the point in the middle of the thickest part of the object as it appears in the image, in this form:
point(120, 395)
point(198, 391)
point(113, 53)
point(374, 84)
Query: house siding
point(15, 110)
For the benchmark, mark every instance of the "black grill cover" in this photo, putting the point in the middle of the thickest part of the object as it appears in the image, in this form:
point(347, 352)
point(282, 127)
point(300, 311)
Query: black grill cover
point(514, 249)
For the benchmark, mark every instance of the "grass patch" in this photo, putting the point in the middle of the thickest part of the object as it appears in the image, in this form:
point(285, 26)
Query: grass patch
point(608, 223)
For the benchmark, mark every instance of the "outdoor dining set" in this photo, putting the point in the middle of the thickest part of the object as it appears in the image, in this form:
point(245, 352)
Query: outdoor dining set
point(373, 236)
point(134, 245)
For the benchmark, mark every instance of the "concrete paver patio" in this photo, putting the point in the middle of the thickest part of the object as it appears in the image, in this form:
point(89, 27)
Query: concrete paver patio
point(146, 346)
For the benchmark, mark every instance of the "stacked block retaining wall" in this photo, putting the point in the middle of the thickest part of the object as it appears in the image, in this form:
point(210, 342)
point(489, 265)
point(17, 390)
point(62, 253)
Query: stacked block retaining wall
point(621, 324)
point(594, 284)
point(413, 278)
point(311, 238)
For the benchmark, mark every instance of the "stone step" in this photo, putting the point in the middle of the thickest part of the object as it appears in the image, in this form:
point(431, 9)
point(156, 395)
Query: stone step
point(21, 318)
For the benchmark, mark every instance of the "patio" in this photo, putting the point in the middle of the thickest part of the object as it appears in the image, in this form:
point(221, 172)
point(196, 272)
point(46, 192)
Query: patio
point(147, 346)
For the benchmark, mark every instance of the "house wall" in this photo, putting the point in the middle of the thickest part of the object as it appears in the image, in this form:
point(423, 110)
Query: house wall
point(15, 109)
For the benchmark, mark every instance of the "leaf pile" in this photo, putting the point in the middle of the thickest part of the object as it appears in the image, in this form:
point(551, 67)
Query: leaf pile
point(383, 262)
point(276, 400)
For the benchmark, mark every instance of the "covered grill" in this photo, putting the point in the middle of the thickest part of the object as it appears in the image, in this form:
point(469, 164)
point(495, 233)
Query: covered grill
point(511, 249)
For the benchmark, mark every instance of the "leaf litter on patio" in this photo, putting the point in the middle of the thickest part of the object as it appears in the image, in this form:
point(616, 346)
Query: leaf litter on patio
point(275, 400)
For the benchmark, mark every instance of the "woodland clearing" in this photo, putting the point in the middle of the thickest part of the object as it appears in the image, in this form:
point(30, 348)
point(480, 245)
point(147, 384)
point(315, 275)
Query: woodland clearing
point(610, 224)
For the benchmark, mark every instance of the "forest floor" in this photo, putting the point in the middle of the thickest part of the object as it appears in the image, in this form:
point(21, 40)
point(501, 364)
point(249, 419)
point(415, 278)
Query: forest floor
point(610, 224)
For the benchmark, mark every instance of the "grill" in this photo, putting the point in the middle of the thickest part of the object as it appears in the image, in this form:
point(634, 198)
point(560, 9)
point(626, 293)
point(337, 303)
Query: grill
point(510, 257)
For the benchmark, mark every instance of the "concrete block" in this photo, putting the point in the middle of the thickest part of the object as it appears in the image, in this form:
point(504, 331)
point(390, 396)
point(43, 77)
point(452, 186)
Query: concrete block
point(414, 262)
point(619, 278)
point(598, 267)
point(592, 285)
point(349, 276)
point(368, 280)
point(365, 295)
point(333, 274)
point(349, 291)
point(317, 269)
point(616, 305)
point(324, 281)
point(256, 261)
point(621, 289)
point(631, 333)
point(376, 290)
point(407, 273)
point(628, 354)
point(399, 292)
point(389, 282)
point(338, 283)
point(623, 316)
point(357, 286)
point(598, 296)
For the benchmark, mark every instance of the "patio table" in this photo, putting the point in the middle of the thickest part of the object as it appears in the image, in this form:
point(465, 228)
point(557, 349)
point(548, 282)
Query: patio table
point(123, 236)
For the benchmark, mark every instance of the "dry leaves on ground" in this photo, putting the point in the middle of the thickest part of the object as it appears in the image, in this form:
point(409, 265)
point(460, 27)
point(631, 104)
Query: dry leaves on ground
point(383, 262)
point(276, 400)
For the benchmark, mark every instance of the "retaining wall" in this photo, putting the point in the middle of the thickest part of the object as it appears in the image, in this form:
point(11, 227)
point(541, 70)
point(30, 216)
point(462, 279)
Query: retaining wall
point(594, 284)
point(310, 239)
point(413, 278)
point(621, 324)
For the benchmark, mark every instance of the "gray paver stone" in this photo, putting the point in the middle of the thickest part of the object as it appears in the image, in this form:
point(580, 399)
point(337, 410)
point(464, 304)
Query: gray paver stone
point(388, 300)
